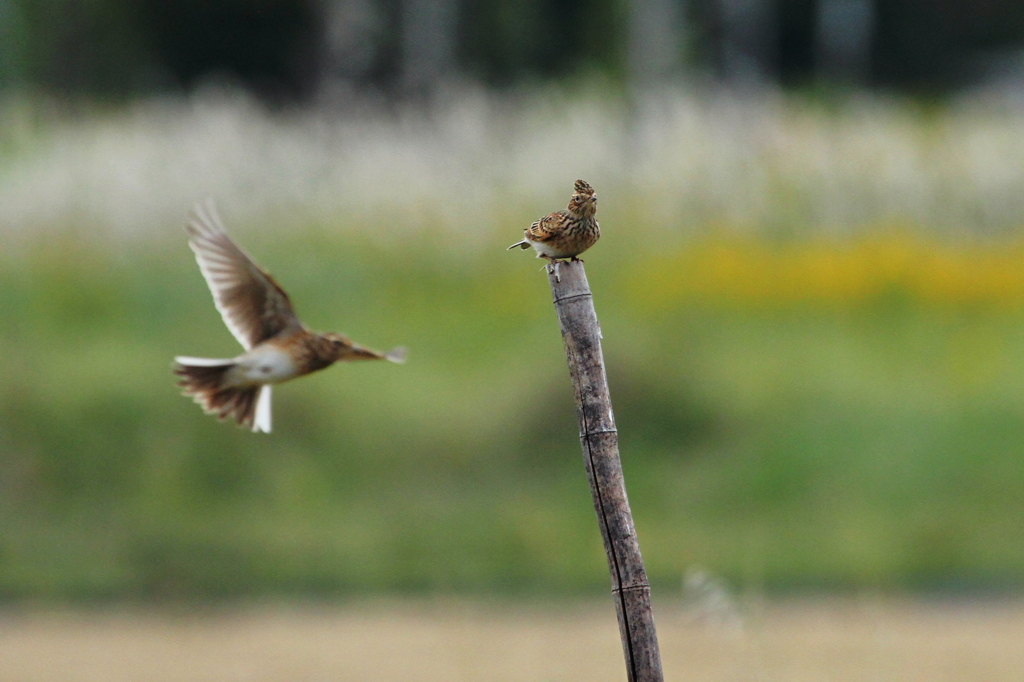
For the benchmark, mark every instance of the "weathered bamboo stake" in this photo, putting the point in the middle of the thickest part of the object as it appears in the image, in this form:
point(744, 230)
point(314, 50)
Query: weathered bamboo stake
point(581, 333)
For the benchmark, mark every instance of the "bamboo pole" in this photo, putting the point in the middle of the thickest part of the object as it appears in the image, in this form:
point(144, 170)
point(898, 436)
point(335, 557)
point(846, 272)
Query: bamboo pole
point(581, 333)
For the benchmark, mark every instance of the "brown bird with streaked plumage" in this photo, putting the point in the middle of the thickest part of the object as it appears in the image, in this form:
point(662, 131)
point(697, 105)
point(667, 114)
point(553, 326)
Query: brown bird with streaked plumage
point(568, 233)
point(259, 314)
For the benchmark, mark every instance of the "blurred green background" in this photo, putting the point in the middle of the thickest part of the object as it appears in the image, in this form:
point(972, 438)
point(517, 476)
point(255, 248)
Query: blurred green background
point(810, 286)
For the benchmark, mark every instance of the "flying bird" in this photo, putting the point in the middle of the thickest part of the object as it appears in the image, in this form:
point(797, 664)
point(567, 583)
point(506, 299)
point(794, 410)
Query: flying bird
point(258, 312)
point(568, 233)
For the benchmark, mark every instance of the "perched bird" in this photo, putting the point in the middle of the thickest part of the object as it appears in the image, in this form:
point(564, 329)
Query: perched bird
point(568, 233)
point(278, 347)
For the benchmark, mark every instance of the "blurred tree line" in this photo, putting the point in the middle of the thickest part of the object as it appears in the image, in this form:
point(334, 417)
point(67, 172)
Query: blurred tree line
point(295, 49)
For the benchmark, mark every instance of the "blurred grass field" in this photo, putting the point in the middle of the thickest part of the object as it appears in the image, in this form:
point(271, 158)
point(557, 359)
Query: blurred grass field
point(799, 407)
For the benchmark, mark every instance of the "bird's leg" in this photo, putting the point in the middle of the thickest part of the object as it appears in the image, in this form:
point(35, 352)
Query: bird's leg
point(551, 267)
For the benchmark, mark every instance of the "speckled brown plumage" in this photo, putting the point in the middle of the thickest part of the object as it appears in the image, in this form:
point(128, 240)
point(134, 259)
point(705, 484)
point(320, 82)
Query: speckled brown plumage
point(567, 233)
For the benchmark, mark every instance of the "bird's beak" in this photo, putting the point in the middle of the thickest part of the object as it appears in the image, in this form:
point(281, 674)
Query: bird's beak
point(363, 353)
point(396, 355)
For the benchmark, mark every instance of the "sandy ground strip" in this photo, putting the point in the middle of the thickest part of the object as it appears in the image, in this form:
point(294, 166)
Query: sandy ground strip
point(451, 641)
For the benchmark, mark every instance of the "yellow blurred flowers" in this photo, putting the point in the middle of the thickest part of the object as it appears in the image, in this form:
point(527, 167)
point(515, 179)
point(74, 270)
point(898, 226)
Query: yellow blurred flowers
point(751, 271)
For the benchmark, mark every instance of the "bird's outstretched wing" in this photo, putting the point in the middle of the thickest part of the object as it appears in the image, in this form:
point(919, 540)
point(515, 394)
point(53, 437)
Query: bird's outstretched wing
point(548, 227)
point(253, 305)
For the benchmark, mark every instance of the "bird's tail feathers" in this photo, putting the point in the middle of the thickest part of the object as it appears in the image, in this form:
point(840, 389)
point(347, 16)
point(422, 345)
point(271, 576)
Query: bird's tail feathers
point(201, 375)
point(203, 380)
point(397, 355)
point(523, 245)
point(262, 421)
point(203, 362)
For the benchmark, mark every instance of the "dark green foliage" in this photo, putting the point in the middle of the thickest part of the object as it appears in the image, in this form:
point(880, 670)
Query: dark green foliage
point(279, 49)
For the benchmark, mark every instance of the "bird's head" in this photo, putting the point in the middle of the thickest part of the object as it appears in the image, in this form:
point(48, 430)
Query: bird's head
point(342, 348)
point(584, 200)
point(339, 343)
